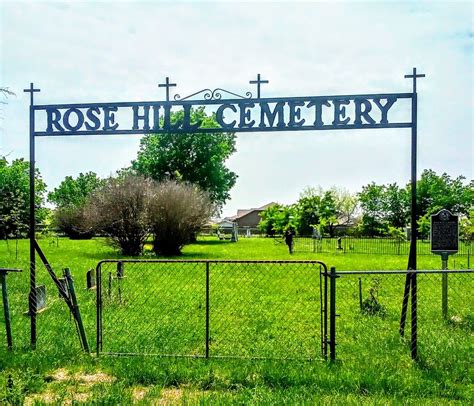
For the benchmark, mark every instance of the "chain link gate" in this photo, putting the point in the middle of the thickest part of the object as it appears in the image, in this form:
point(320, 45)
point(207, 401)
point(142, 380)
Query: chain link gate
point(232, 309)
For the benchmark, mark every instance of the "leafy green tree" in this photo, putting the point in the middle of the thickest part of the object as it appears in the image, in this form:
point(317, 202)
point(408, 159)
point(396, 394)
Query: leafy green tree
point(372, 203)
point(15, 201)
point(436, 192)
point(396, 205)
point(70, 198)
point(74, 192)
point(466, 226)
point(198, 159)
point(277, 218)
point(424, 226)
point(325, 209)
point(308, 210)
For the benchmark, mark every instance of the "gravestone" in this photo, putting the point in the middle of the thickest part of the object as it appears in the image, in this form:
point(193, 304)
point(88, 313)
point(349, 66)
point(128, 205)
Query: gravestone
point(120, 270)
point(40, 298)
point(444, 233)
point(90, 279)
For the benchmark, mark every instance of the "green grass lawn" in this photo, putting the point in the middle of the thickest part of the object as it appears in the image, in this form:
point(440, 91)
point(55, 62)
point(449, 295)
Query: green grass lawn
point(254, 312)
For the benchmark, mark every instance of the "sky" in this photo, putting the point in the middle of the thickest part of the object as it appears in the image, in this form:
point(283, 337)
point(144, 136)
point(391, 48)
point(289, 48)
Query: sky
point(119, 51)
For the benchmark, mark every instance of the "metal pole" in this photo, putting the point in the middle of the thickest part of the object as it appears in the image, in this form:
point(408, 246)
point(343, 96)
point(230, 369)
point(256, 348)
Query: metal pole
point(414, 318)
point(207, 309)
point(444, 286)
point(6, 309)
point(32, 296)
point(98, 275)
point(332, 315)
point(77, 313)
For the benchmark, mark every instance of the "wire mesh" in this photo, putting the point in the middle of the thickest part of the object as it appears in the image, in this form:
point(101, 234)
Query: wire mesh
point(381, 246)
point(56, 328)
point(369, 306)
point(248, 309)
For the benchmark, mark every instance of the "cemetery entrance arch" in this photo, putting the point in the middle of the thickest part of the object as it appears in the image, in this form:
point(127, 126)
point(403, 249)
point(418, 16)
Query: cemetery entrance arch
point(234, 113)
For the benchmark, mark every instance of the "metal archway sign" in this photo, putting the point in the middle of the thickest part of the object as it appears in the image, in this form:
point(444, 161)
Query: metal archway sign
point(234, 113)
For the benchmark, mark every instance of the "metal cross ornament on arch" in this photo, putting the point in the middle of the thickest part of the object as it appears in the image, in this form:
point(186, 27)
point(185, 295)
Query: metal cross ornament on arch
point(233, 113)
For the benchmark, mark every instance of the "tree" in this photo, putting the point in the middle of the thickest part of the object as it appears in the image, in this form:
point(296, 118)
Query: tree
point(15, 201)
point(371, 200)
point(176, 212)
point(436, 192)
point(74, 192)
point(326, 209)
point(308, 209)
point(198, 159)
point(119, 208)
point(396, 205)
point(70, 197)
point(278, 218)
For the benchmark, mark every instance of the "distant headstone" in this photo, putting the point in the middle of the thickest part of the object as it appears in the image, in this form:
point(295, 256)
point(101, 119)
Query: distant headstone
point(120, 270)
point(40, 298)
point(339, 243)
point(90, 279)
point(63, 282)
point(444, 232)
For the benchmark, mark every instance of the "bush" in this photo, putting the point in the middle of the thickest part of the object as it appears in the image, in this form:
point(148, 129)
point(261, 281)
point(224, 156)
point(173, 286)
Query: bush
point(176, 212)
point(120, 209)
point(73, 222)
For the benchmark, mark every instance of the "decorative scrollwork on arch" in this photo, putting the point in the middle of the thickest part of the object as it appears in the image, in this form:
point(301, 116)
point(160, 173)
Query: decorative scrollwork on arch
point(215, 94)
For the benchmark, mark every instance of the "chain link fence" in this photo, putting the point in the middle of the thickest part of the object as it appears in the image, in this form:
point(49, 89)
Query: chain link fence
point(376, 246)
point(56, 328)
point(244, 309)
point(367, 314)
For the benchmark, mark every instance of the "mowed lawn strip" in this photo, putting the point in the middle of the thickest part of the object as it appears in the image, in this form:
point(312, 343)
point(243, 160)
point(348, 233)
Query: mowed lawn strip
point(252, 317)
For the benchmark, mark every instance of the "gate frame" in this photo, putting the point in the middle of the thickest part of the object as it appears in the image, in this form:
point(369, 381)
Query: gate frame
point(99, 304)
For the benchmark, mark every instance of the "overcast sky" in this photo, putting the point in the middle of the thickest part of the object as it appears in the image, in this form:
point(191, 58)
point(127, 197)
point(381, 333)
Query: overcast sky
point(104, 51)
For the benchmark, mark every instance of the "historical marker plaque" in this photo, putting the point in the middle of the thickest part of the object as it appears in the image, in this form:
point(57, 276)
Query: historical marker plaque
point(444, 232)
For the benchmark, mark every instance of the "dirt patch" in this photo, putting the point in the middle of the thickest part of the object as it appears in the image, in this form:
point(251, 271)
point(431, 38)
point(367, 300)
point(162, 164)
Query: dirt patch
point(48, 397)
point(170, 396)
point(93, 379)
point(139, 393)
point(77, 386)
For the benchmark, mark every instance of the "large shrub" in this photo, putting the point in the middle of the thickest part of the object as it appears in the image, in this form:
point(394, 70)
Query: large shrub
point(120, 210)
point(74, 222)
point(176, 212)
point(70, 198)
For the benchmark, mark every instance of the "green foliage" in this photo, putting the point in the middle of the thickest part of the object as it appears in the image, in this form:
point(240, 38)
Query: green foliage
point(466, 226)
point(70, 198)
point(15, 197)
point(371, 200)
point(372, 306)
point(74, 192)
point(198, 159)
point(436, 192)
point(396, 233)
point(277, 219)
point(424, 226)
point(325, 210)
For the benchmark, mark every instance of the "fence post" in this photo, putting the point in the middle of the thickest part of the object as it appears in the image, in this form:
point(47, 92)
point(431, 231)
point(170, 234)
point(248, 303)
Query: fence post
point(98, 275)
point(444, 286)
point(414, 317)
point(332, 314)
point(6, 309)
point(207, 309)
point(77, 313)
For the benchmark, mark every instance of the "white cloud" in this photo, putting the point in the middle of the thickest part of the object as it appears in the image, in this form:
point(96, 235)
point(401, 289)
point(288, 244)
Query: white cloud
point(120, 51)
